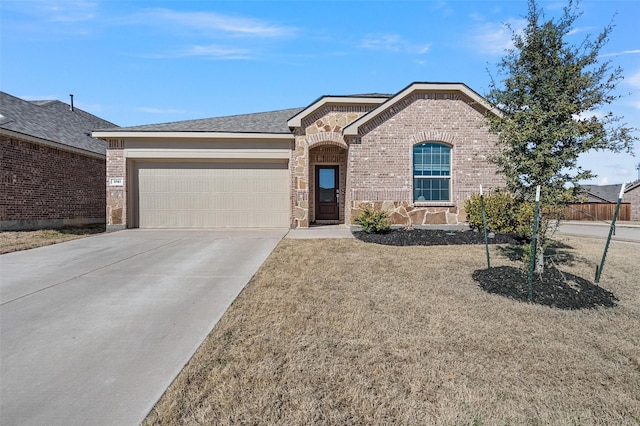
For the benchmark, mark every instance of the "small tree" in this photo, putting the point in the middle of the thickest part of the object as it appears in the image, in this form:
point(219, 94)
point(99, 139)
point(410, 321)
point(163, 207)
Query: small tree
point(550, 101)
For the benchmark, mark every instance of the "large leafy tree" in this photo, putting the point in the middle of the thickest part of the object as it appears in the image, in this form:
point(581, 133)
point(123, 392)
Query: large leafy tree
point(553, 97)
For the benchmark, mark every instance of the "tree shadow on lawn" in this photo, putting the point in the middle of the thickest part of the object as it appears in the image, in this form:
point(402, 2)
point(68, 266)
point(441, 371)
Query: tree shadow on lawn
point(554, 288)
point(557, 251)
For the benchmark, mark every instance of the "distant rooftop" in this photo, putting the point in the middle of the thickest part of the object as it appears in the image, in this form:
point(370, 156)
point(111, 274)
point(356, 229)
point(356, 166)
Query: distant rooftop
point(53, 121)
point(600, 193)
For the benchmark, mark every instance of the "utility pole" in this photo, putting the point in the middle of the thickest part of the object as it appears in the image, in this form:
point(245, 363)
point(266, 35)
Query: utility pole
point(638, 169)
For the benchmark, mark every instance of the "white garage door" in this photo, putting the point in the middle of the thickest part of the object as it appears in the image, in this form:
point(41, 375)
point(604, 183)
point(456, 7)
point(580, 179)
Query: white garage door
point(212, 194)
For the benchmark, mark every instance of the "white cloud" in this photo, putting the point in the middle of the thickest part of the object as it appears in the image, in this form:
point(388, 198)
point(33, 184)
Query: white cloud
point(624, 52)
point(211, 51)
point(213, 23)
point(390, 42)
point(424, 49)
point(634, 80)
point(57, 10)
point(494, 38)
point(216, 52)
point(580, 30)
point(609, 167)
point(585, 115)
point(393, 43)
point(443, 7)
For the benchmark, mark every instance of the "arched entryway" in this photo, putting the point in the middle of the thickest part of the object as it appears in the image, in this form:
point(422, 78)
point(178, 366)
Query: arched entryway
point(327, 183)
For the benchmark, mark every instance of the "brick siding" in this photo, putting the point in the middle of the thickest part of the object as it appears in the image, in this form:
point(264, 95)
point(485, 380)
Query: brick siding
point(43, 186)
point(380, 158)
point(379, 162)
point(633, 197)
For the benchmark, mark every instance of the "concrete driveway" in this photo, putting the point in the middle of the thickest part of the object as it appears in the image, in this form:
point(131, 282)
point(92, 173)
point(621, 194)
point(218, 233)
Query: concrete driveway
point(92, 331)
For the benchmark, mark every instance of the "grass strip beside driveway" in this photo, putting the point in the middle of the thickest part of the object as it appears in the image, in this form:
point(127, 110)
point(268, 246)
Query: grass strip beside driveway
point(345, 332)
point(11, 241)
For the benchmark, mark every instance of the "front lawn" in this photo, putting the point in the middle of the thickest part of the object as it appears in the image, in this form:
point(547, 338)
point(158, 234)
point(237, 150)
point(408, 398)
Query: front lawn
point(345, 332)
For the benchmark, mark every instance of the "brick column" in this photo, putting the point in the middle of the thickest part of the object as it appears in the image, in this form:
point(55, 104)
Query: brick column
point(116, 186)
point(300, 174)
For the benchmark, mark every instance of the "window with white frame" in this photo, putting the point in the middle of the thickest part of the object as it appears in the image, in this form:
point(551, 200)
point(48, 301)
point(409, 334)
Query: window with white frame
point(431, 172)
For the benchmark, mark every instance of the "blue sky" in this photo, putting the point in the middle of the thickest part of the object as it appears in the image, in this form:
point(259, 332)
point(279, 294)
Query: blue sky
point(142, 62)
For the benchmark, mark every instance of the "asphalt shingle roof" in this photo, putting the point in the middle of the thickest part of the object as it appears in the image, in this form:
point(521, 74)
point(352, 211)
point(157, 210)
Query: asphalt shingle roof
point(608, 193)
point(52, 121)
point(261, 122)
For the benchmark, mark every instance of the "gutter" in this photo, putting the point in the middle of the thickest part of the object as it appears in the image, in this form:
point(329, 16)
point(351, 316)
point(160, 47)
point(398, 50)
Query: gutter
point(52, 144)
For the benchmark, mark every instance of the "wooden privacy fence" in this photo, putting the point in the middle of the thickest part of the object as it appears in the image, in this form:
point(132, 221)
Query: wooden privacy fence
point(596, 211)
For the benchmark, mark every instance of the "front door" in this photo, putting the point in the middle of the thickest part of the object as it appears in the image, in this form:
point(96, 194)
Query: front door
point(327, 202)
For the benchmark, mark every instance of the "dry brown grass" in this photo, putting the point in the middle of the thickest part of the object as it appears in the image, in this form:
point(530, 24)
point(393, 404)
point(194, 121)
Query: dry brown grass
point(11, 241)
point(344, 332)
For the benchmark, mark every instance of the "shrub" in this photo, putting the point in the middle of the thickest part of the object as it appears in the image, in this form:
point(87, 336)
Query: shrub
point(373, 221)
point(504, 213)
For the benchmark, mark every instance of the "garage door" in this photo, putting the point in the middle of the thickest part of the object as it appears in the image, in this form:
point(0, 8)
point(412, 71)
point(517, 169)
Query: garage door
point(212, 194)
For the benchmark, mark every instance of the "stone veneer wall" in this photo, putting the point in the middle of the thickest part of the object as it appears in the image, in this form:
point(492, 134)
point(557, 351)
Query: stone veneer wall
point(323, 128)
point(406, 214)
point(46, 187)
point(116, 195)
point(381, 166)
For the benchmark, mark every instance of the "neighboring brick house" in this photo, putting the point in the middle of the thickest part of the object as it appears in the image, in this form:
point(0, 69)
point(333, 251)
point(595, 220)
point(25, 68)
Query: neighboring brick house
point(52, 172)
point(418, 154)
point(632, 195)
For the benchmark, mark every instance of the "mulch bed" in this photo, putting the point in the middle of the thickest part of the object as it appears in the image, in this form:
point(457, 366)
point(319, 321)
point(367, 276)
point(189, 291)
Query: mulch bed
point(432, 237)
point(553, 288)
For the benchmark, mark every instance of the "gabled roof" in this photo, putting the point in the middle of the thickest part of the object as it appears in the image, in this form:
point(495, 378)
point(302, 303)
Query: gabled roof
point(602, 193)
point(272, 122)
point(366, 99)
point(51, 122)
point(472, 97)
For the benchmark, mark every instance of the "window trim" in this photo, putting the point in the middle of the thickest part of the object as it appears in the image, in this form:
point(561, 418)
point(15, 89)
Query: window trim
point(444, 203)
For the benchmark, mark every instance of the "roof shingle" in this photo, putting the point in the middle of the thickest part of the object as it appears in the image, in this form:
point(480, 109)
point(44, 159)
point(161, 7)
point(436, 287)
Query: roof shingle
point(608, 193)
point(261, 122)
point(52, 121)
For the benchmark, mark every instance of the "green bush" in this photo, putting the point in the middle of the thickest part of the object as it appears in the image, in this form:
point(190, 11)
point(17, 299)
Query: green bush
point(504, 213)
point(373, 221)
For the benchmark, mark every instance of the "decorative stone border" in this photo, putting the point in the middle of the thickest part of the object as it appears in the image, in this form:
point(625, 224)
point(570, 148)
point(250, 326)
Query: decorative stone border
point(405, 214)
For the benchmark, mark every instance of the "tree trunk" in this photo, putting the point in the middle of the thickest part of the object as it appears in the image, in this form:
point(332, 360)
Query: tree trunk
point(539, 261)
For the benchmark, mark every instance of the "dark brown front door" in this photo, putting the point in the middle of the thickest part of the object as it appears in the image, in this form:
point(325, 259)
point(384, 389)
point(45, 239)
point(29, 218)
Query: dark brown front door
point(327, 193)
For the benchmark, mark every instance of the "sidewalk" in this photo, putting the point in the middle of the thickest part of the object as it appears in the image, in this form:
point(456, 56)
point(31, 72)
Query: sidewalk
point(619, 223)
point(321, 231)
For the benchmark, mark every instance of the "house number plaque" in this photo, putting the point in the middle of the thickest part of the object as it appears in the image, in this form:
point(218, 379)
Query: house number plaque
point(117, 181)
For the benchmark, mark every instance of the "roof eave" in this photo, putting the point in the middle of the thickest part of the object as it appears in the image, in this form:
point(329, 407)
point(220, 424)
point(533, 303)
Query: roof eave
point(52, 144)
point(296, 120)
point(632, 186)
point(114, 134)
point(352, 129)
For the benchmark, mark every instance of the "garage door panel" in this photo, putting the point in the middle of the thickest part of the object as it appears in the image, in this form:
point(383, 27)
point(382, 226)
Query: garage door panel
point(179, 195)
